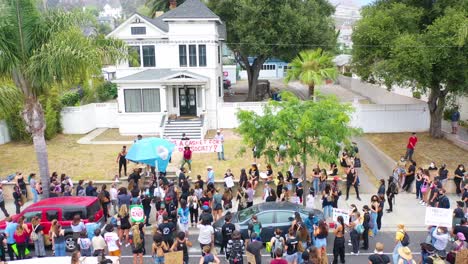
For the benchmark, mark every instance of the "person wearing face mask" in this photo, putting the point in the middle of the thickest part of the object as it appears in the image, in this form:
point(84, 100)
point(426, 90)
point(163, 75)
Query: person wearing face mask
point(442, 200)
point(458, 177)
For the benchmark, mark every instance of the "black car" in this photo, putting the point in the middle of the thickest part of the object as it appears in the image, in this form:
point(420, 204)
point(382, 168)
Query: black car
point(270, 214)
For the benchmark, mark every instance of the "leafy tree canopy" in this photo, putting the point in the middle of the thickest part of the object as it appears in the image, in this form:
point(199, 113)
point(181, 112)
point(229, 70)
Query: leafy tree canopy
point(268, 28)
point(422, 44)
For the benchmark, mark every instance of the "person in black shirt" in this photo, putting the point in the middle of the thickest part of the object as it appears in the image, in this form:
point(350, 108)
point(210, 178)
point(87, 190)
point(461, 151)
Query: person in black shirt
point(443, 174)
point(366, 225)
point(243, 179)
point(206, 215)
point(458, 177)
point(182, 244)
point(351, 180)
point(462, 228)
point(380, 210)
point(255, 247)
point(226, 231)
point(379, 257)
point(199, 181)
point(135, 175)
point(409, 177)
point(182, 176)
point(146, 202)
point(166, 229)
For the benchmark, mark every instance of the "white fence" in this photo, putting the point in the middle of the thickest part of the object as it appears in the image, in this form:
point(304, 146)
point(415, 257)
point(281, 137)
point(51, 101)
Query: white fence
point(391, 118)
point(4, 135)
point(85, 118)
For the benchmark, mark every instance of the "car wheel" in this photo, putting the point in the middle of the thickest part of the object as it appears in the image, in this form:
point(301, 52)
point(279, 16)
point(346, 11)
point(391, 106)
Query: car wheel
point(70, 244)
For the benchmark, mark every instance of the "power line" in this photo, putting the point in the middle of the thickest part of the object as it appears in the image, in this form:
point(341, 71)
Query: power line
point(329, 45)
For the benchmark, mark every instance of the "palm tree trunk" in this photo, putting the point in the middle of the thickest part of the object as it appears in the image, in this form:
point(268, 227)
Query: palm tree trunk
point(33, 116)
point(311, 91)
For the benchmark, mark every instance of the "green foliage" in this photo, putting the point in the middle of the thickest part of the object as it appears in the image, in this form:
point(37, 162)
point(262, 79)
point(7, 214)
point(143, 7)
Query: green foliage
point(159, 5)
point(309, 129)
point(106, 91)
point(51, 119)
point(16, 125)
point(418, 43)
point(348, 74)
point(417, 94)
point(312, 67)
point(70, 98)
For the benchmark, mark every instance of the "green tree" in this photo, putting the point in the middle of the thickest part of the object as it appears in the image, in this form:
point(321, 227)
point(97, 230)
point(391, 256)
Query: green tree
point(262, 29)
point(312, 67)
point(40, 50)
point(310, 129)
point(422, 44)
point(161, 5)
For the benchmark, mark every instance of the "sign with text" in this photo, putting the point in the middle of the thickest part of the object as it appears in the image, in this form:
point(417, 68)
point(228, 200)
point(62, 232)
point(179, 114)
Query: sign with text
point(136, 213)
point(229, 182)
point(198, 145)
point(340, 212)
point(438, 217)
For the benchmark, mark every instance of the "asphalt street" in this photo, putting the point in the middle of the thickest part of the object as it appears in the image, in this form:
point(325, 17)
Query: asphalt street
point(385, 237)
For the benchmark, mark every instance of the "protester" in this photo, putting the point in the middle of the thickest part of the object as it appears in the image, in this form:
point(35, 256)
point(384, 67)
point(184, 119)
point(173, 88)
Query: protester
point(226, 231)
point(379, 257)
point(210, 176)
point(278, 253)
point(454, 120)
point(458, 245)
point(366, 223)
point(112, 241)
point(123, 224)
point(255, 226)
point(122, 161)
point(113, 197)
point(138, 242)
point(182, 244)
point(209, 258)
point(187, 158)
point(440, 240)
point(277, 242)
point(255, 247)
point(206, 234)
point(158, 249)
point(327, 202)
point(355, 230)
point(2, 202)
point(220, 150)
point(310, 199)
point(10, 231)
point(411, 146)
point(18, 201)
point(392, 190)
point(351, 180)
point(291, 247)
point(37, 236)
point(58, 240)
point(458, 176)
point(98, 243)
point(409, 177)
point(401, 240)
point(374, 211)
point(75, 257)
point(84, 244)
point(405, 256)
point(339, 242)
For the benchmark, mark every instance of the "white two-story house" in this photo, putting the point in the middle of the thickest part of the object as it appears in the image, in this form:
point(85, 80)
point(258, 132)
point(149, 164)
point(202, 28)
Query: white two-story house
point(174, 70)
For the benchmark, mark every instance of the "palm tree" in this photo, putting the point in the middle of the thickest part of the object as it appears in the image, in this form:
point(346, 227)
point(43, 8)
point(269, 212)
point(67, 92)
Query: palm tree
point(161, 5)
point(40, 50)
point(311, 67)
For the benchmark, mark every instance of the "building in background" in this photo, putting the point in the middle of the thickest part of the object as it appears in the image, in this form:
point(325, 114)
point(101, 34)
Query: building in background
point(271, 69)
point(347, 12)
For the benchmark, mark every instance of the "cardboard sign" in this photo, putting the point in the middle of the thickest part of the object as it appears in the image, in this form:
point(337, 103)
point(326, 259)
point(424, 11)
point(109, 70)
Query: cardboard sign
point(174, 257)
point(438, 217)
point(340, 212)
point(136, 213)
point(229, 182)
point(198, 145)
point(250, 258)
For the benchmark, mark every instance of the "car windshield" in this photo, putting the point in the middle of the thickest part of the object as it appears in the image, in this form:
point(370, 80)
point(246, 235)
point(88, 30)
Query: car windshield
point(247, 213)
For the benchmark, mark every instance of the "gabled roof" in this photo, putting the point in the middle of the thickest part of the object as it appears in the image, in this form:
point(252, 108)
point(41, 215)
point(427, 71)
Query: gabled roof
point(156, 22)
point(190, 9)
point(161, 75)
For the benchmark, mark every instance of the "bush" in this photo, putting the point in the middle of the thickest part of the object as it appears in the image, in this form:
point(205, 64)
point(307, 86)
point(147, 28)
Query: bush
point(417, 94)
point(106, 91)
point(448, 111)
point(16, 125)
point(348, 74)
point(51, 120)
point(70, 98)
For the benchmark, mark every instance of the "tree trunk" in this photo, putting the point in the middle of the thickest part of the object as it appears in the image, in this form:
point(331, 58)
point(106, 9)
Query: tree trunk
point(436, 105)
point(304, 177)
point(312, 91)
point(33, 116)
point(253, 72)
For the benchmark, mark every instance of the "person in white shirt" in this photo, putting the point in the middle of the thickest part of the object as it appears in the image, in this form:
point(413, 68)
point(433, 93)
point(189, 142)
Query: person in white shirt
point(220, 137)
point(112, 241)
point(98, 242)
point(113, 197)
point(206, 235)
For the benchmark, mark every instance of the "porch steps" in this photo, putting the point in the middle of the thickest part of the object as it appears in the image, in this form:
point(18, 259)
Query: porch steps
point(174, 129)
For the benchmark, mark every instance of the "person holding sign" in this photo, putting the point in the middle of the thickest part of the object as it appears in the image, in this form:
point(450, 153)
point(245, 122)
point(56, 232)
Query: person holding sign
point(187, 158)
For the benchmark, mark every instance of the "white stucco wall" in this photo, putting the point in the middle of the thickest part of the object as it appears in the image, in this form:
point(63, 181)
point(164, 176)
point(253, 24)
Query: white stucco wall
point(4, 134)
point(85, 118)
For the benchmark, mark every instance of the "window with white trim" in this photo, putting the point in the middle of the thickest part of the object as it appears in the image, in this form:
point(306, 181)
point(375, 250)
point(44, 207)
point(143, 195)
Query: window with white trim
point(138, 30)
point(149, 58)
point(202, 55)
point(193, 55)
point(142, 100)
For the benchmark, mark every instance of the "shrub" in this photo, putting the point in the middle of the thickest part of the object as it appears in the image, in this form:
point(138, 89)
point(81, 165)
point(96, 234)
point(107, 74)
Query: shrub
point(70, 98)
point(16, 125)
point(51, 120)
point(106, 91)
point(417, 94)
point(348, 74)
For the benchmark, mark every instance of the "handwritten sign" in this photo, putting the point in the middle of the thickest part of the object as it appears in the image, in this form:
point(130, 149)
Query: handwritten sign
point(136, 213)
point(250, 258)
point(340, 212)
point(229, 182)
point(438, 217)
point(174, 257)
point(198, 145)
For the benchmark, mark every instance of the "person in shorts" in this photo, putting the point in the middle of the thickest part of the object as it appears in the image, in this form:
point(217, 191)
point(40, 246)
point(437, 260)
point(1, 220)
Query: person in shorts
point(112, 241)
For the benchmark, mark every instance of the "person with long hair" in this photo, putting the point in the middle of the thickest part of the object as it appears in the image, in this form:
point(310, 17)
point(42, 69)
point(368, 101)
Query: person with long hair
point(17, 199)
point(279, 183)
point(217, 205)
point(339, 243)
point(355, 220)
point(272, 197)
point(138, 243)
point(374, 210)
point(321, 234)
point(104, 198)
point(254, 175)
point(77, 226)
point(291, 247)
point(250, 194)
point(158, 249)
point(327, 201)
point(227, 199)
point(38, 229)
point(123, 223)
point(285, 195)
point(242, 199)
point(21, 238)
point(243, 179)
point(193, 207)
point(289, 180)
point(183, 214)
point(58, 240)
point(75, 257)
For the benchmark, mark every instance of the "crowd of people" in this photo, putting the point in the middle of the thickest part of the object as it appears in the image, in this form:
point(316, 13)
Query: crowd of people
point(176, 206)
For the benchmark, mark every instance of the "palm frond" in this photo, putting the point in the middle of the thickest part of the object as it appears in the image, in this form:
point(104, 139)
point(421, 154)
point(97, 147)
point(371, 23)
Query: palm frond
point(111, 50)
point(10, 96)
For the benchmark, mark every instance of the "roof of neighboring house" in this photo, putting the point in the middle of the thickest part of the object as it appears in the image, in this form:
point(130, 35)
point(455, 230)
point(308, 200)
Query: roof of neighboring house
point(342, 59)
point(269, 60)
point(156, 74)
point(190, 9)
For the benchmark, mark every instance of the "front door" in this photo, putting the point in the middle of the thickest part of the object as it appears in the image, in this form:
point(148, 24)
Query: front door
point(188, 101)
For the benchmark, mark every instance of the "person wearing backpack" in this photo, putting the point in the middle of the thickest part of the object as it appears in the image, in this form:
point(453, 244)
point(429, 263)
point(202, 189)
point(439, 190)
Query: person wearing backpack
point(405, 256)
point(182, 244)
point(84, 244)
point(255, 247)
point(392, 190)
point(226, 230)
point(277, 242)
point(207, 257)
point(235, 249)
point(401, 240)
point(379, 257)
point(37, 236)
point(255, 226)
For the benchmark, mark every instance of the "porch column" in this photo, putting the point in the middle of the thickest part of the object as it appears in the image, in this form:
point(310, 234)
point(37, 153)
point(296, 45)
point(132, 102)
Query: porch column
point(163, 98)
point(203, 88)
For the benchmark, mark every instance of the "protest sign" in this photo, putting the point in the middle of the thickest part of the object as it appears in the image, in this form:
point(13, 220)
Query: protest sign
point(438, 217)
point(229, 182)
point(344, 213)
point(174, 257)
point(250, 258)
point(198, 145)
point(136, 213)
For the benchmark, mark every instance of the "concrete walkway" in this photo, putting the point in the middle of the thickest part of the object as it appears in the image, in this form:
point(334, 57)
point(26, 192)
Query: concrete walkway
point(460, 139)
point(88, 139)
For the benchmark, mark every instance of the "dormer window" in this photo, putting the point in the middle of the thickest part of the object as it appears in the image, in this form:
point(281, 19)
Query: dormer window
point(138, 30)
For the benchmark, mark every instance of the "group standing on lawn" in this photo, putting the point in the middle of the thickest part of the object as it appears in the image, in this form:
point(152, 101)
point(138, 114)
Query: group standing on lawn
point(187, 203)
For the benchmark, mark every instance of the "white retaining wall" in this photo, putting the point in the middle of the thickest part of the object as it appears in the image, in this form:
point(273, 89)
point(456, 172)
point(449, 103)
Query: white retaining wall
point(4, 135)
point(85, 118)
point(228, 112)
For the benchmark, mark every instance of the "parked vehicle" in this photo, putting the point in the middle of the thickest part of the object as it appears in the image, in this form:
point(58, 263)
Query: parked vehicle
point(63, 209)
point(271, 215)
